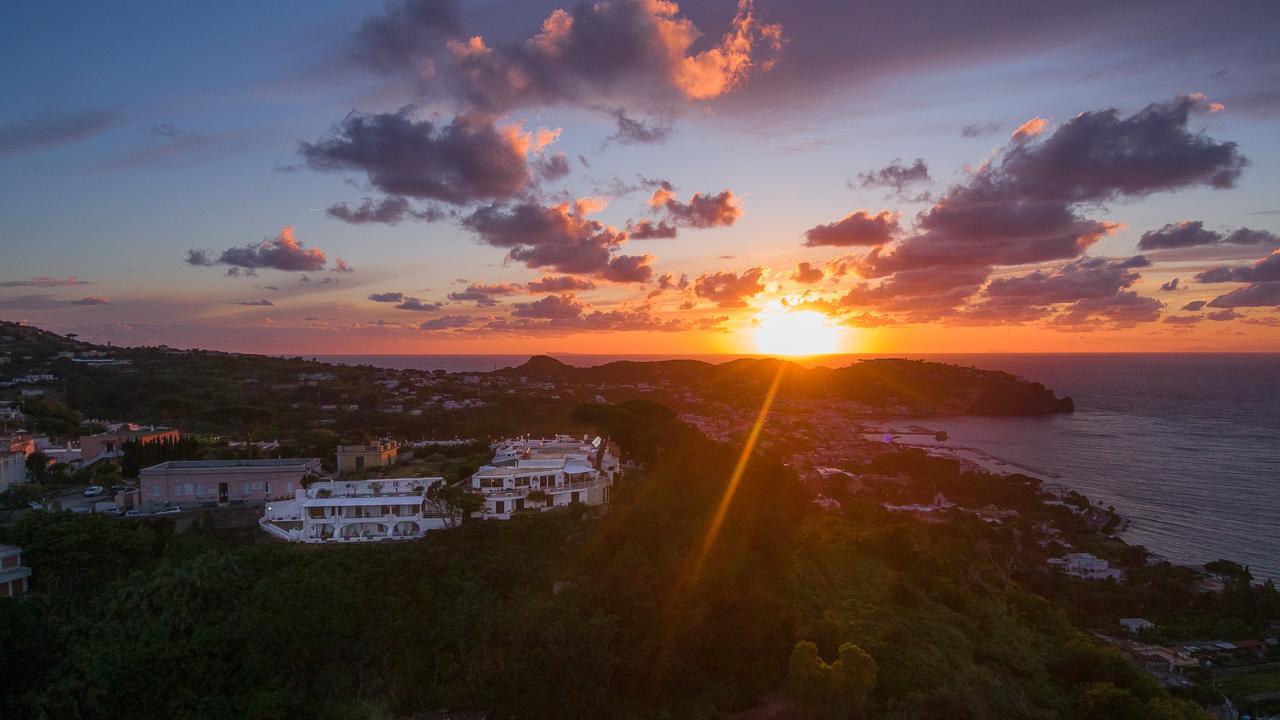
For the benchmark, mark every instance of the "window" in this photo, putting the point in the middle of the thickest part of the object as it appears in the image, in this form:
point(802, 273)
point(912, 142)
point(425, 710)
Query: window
point(576, 497)
point(155, 491)
point(499, 507)
point(359, 462)
point(266, 487)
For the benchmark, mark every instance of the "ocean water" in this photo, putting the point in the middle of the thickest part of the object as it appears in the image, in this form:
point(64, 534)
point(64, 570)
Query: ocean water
point(1187, 446)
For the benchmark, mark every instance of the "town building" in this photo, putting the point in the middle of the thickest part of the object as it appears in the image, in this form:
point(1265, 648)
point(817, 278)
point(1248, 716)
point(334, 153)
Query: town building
point(221, 482)
point(111, 444)
point(539, 474)
point(1136, 625)
point(1087, 566)
point(359, 458)
point(359, 511)
point(14, 578)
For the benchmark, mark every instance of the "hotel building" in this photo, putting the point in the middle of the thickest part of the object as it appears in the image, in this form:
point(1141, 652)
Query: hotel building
point(539, 474)
point(221, 482)
point(359, 511)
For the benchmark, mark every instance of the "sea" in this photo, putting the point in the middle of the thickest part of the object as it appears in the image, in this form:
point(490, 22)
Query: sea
point(1185, 446)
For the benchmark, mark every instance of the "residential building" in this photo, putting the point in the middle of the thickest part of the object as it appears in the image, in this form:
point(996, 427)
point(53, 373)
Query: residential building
point(14, 578)
point(13, 468)
point(1087, 566)
point(359, 458)
point(220, 482)
point(1136, 625)
point(539, 474)
point(111, 444)
point(359, 511)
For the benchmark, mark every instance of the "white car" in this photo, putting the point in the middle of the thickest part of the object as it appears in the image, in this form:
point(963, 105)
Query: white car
point(136, 513)
point(94, 491)
point(169, 511)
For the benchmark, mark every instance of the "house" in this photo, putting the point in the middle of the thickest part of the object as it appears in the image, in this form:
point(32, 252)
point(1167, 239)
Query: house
point(1086, 566)
point(1136, 625)
point(359, 511)
point(220, 482)
point(358, 458)
point(539, 474)
point(111, 444)
point(14, 578)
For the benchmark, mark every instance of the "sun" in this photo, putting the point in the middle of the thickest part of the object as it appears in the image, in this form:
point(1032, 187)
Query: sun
point(778, 332)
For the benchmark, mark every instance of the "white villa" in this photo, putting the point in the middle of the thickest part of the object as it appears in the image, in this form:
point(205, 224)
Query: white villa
point(538, 474)
point(359, 511)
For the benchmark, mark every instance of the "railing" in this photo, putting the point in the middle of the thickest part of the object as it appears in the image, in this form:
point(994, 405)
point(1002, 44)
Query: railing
point(556, 489)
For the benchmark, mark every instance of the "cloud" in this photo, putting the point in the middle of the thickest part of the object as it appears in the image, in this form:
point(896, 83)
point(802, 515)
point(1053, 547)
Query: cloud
point(1182, 319)
point(552, 167)
point(92, 300)
point(560, 238)
point(48, 131)
point(45, 281)
point(1023, 205)
point(649, 230)
point(702, 210)
point(613, 50)
point(483, 295)
point(1121, 310)
point(596, 321)
point(446, 322)
point(390, 211)
point(1029, 129)
point(1169, 286)
point(1265, 270)
point(1084, 278)
point(637, 132)
point(417, 305)
point(467, 160)
point(341, 266)
point(1192, 233)
point(1195, 305)
point(405, 36)
point(255, 303)
point(1260, 294)
point(895, 175)
point(857, 228)
point(562, 283)
point(1223, 315)
point(807, 273)
point(173, 147)
point(283, 252)
point(728, 289)
point(553, 307)
point(979, 130)
point(387, 297)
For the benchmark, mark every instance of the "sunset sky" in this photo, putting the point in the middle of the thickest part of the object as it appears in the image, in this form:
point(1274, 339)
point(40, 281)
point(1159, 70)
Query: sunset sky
point(638, 176)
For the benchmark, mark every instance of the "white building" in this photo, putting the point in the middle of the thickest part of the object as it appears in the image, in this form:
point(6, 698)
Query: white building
point(539, 474)
point(359, 511)
point(1087, 566)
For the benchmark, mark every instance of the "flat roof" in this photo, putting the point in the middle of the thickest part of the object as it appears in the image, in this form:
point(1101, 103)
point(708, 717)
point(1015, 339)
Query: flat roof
point(227, 464)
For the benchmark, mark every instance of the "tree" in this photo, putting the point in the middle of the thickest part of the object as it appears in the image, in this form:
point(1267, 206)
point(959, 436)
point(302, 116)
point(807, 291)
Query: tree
point(38, 467)
point(839, 689)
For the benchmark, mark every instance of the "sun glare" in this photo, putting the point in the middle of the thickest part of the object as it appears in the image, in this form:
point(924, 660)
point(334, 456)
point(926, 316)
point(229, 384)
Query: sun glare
point(779, 332)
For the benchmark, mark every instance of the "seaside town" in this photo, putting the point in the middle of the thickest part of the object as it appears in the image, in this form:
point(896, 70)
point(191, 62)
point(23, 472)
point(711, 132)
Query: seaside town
point(405, 489)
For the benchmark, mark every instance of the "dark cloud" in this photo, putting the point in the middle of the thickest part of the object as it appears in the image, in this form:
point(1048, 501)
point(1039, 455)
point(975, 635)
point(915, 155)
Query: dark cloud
point(1124, 309)
point(896, 176)
point(1182, 319)
point(1265, 270)
point(1169, 286)
point(467, 160)
point(807, 273)
point(1223, 315)
point(616, 50)
point(255, 303)
point(389, 210)
point(560, 238)
point(417, 305)
point(1084, 278)
point(484, 295)
point(341, 266)
point(979, 130)
point(668, 281)
point(859, 228)
point(728, 289)
point(1192, 233)
point(45, 281)
point(561, 283)
point(387, 297)
point(1253, 295)
point(446, 322)
point(632, 131)
point(923, 289)
point(702, 210)
point(406, 35)
point(92, 300)
point(48, 131)
point(283, 252)
point(552, 167)
point(553, 307)
point(1195, 305)
point(649, 230)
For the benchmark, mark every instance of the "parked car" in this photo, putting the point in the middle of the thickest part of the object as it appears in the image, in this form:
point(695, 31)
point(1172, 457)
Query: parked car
point(94, 491)
point(136, 513)
point(169, 511)
point(112, 511)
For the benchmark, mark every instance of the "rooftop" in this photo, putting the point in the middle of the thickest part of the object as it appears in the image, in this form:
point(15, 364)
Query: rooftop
point(220, 464)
